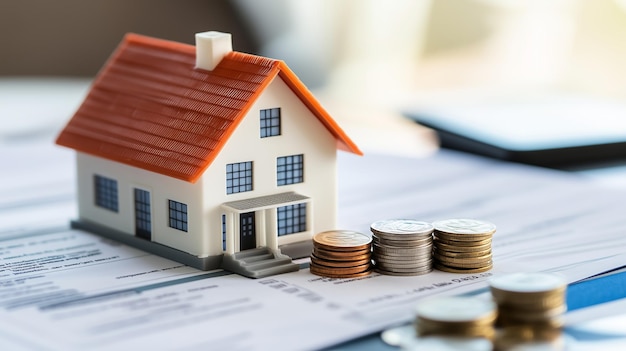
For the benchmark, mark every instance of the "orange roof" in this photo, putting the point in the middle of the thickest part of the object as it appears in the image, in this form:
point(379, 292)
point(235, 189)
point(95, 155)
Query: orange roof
point(150, 108)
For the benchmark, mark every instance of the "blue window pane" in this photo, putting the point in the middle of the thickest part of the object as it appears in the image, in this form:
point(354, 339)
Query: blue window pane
point(290, 170)
point(270, 122)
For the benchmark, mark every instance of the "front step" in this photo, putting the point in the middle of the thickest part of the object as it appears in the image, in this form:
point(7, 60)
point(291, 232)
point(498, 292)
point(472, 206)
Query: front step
point(258, 263)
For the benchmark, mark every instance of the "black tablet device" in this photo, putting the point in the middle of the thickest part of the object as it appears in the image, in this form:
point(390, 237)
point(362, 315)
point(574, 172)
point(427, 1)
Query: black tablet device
point(551, 131)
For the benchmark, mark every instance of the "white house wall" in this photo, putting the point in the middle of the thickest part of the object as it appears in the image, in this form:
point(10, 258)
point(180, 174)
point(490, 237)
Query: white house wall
point(161, 190)
point(301, 133)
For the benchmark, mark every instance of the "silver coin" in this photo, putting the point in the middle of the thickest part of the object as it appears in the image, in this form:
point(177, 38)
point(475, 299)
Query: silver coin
point(417, 270)
point(402, 258)
point(403, 265)
point(402, 274)
point(403, 237)
point(421, 260)
point(447, 343)
point(393, 242)
point(399, 336)
point(402, 226)
point(528, 282)
point(464, 226)
point(401, 250)
point(455, 309)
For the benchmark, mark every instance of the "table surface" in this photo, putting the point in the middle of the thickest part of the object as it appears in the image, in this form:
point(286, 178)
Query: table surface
point(58, 98)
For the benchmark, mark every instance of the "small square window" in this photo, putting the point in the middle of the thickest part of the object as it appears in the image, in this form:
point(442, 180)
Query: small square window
point(290, 169)
point(238, 177)
point(270, 122)
point(106, 193)
point(178, 215)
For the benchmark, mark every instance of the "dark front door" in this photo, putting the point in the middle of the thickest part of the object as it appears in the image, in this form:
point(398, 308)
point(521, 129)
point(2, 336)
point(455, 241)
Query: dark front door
point(143, 223)
point(247, 235)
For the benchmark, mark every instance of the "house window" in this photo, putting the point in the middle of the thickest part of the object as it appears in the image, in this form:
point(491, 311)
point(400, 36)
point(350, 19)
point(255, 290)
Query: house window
point(178, 215)
point(290, 169)
point(270, 122)
point(238, 177)
point(143, 225)
point(106, 192)
point(291, 219)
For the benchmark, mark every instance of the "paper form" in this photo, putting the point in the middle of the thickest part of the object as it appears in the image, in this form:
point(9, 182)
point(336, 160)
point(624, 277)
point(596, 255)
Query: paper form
point(62, 289)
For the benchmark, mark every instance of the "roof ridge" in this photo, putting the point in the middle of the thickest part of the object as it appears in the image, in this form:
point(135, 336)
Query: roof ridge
point(134, 38)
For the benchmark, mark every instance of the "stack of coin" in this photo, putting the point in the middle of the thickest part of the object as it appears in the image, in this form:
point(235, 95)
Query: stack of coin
point(465, 317)
point(341, 254)
point(463, 245)
point(530, 304)
point(402, 247)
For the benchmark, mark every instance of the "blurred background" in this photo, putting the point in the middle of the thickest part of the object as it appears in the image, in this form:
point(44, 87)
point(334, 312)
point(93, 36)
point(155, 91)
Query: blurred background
point(364, 59)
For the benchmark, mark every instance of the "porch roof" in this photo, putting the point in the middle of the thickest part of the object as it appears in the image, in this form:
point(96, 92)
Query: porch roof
point(264, 202)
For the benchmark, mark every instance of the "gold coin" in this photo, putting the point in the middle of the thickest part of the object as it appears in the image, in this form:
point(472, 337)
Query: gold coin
point(473, 261)
point(530, 316)
point(460, 249)
point(526, 333)
point(465, 265)
point(342, 240)
point(447, 330)
point(448, 269)
point(445, 241)
point(547, 324)
point(530, 340)
point(461, 254)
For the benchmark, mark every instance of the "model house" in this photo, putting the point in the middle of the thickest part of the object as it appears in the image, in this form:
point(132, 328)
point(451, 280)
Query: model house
point(204, 155)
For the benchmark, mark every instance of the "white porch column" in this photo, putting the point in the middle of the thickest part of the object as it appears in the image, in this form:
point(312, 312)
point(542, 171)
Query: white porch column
point(309, 218)
point(261, 230)
point(230, 232)
point(272, 228)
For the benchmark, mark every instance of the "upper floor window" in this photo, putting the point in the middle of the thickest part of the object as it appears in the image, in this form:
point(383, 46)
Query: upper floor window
point(178, 215)
point(106, 192)
point(270, 122)
point(290, 169)
point(238, 177)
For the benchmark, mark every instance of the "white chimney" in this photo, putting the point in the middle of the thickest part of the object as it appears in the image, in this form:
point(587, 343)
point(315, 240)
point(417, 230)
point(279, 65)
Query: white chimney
point(211, 47)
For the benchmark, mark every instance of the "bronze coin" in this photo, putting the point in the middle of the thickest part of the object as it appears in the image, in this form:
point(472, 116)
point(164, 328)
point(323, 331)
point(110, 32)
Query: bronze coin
point(342, 240)
point(342, 276)
point(338, 264)
point(337, 270)
point(341, 255)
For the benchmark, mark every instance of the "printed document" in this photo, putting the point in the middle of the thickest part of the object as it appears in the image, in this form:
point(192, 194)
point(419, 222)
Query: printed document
point(63, 289)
